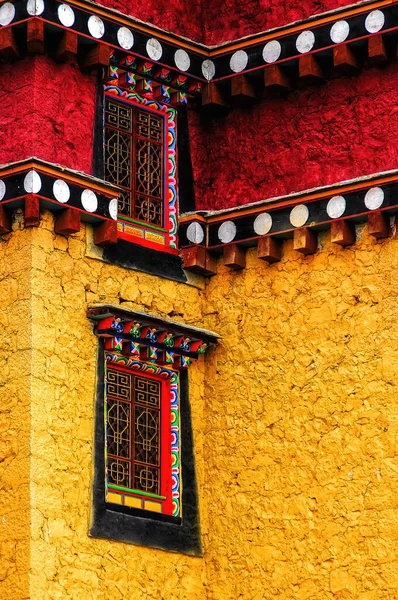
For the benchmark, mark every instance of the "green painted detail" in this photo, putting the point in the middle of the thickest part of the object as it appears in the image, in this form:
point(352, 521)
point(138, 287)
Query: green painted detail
point(123, 489)
point(141, 224)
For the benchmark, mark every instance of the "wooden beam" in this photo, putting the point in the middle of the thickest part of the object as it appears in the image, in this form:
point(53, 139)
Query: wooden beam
point(269, 249)
point(105, 234)
point(376, 50)
point(234, 257)
point(344, 60)
point(198, 260)
point(32, 210)
point(276, 79)
point(8, 46)
point(35, 36)
point(310, 71)
point(378, 225)
point(98, 56)
point(212, 95)
point(342, 233)
point(68, 222)
point(305, 240)
point(5, 221)
point(242, 89)
point(67, 47)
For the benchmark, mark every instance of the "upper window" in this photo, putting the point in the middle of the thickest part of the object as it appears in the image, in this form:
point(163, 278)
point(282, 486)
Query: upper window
point(140, 158)
point(134, 160)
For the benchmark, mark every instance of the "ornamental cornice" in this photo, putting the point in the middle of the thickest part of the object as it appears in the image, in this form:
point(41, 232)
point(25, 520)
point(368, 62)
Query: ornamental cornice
point(266, 224)
point(305, 52)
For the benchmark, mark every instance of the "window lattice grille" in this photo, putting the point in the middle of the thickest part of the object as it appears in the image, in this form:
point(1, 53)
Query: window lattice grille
point(134, 156)
point(133, 431)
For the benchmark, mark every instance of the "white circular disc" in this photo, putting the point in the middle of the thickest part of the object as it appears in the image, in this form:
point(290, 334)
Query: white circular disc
point(7, 13)
point(238, 61)
point(66, 15)
point(195, 233)
point(208, 69)
point(32, 182)
point(299, 215)
point(272, 51)
point(154, 49)
point(182, 60)
point(339, 32)
point(89, 201)
point(35, 7)
point(2, 189)
point(374, 198)
point(227, 232)
point(336, 207)
point(262, 224)
point(125, 38)
point(61, 191)
point(96, 27)
point(374, 21)
point(305, 42)
point(113, 209)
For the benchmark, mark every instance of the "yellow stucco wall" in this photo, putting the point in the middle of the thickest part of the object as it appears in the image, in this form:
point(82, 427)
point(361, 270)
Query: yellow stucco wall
point(15, 372)
point(294, 415)
point(301, 488)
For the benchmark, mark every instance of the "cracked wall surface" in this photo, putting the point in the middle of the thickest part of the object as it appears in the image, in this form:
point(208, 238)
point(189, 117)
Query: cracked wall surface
point(301, 405)
point(15, 380)
point(294, 418)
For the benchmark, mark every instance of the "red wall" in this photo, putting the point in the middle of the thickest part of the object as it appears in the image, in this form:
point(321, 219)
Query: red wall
point(344, 129)
point(46, 110)
point(183, 17)
point(231, 19)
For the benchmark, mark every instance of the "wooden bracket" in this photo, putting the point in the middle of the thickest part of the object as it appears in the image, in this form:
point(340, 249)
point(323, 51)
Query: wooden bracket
point(8, 47)
point(68, 222)
point(32, 210)
point(344, 60)
point(310, 71)
point(213, 96)
point(378, 225)
point(242, 90)
point(342, 233)
point(275, 79)
point(5, 222)
point(105, 234)
point(198, 260)
point(35, 36)
point(269, 249)
point(67, 47)
point(98, 56)
point(376, 50)
point(234, 257)
point(305, 240)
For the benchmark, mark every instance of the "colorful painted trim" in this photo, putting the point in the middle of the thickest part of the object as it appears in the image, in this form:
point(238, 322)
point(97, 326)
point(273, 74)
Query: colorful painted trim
point(145, 231)
point(133, 498)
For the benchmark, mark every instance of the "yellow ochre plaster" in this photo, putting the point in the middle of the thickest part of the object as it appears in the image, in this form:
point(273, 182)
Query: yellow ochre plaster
point(295, 419)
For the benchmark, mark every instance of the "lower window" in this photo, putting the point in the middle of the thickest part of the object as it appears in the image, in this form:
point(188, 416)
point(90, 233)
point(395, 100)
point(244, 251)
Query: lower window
point(145, 488)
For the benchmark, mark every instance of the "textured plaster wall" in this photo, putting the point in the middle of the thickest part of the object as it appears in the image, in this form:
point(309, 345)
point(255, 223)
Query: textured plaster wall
point(66, 563)
point(228, 20)
point(294, 415)
point(301, 426)
point(313, 137)
point(47, 110)
point(15, 378)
